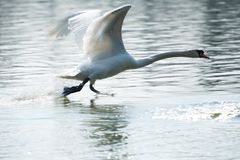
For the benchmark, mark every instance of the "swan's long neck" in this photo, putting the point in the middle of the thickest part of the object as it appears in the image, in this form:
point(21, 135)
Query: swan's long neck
point(149, 60)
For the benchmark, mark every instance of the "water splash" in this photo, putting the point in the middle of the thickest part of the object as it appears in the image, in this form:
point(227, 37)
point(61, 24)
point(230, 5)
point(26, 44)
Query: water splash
point(219, 111)
point(36, 96)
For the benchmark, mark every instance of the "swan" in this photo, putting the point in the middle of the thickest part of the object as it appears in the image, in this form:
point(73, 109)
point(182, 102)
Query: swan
point(100, 36)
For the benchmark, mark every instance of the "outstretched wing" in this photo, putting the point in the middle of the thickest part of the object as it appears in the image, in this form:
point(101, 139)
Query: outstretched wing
point(76, 23)
point(103, 37)
point(101, 34)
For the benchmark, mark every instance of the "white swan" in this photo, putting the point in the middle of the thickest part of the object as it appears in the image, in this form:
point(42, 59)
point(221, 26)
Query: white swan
point(102, 43)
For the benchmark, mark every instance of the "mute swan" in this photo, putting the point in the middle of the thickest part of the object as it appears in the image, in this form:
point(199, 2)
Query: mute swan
point(101, 38)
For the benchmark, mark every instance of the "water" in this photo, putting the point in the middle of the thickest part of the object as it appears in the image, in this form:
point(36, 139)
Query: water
point(174, 109)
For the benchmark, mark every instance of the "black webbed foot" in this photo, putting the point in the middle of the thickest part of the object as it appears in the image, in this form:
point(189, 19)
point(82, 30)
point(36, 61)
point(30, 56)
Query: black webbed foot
point(93, 89)
point(98, 92)
point(69, 90)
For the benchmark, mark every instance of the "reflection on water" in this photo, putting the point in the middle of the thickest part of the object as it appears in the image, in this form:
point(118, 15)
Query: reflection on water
point(108, 128)
point(174, 109)
point(105, 126)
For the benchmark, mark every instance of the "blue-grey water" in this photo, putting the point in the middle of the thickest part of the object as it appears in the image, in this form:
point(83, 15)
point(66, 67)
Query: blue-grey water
point(177, 108)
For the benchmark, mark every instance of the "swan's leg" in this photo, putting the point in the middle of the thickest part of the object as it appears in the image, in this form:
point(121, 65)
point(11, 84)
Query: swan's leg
point(69, 90)
point(93, 89)
point(98, 92)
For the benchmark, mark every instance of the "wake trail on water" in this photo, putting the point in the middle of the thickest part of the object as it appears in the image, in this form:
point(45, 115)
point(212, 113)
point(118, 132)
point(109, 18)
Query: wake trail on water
point(219, 111)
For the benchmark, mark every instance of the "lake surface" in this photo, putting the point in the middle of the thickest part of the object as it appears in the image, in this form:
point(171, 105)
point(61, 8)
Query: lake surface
point(177, 108)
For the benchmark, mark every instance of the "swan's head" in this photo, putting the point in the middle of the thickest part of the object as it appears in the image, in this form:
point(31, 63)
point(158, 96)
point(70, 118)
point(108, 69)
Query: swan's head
point(198, 54)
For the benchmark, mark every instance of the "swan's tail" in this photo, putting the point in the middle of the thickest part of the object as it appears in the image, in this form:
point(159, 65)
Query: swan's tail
point(67, 77)
point(72, 74)
point(78, 76)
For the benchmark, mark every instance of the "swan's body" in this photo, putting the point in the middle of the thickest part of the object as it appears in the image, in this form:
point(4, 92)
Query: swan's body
point(102, 43)
point(103, 68)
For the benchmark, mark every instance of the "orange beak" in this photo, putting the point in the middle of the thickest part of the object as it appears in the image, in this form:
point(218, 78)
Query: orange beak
point(204, 56)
